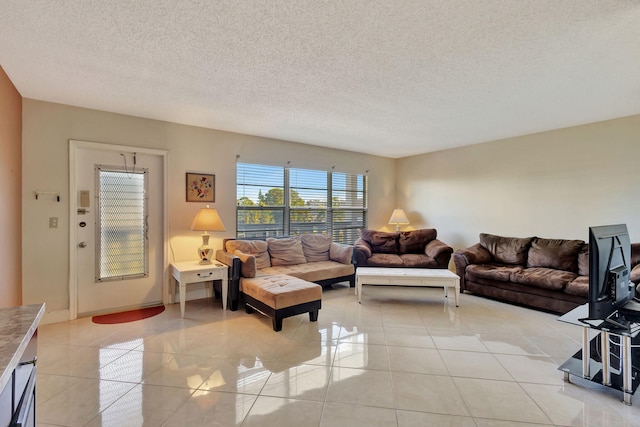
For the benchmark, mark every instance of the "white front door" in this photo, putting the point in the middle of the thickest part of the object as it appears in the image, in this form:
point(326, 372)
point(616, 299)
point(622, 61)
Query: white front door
point(118, 228)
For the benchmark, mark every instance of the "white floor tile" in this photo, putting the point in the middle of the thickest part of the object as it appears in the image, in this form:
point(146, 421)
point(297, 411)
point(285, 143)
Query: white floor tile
point(403, 357)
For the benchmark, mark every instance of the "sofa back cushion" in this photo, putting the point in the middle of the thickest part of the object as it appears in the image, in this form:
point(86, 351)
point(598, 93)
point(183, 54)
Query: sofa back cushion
point(558, 254)
point(506, 250)
point(381, 241)
point(316, 247)
point(286, 251)
point(414, 241)
point(258, 248)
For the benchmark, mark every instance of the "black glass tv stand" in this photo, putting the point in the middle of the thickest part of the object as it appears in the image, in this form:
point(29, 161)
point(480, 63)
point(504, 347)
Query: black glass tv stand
point(611, 358)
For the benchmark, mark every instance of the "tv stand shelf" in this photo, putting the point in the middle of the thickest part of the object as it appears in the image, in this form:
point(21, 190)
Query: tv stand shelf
point(615, 347)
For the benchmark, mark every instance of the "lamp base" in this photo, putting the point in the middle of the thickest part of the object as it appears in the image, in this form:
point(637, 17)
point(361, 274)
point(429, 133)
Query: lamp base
point(205, 252)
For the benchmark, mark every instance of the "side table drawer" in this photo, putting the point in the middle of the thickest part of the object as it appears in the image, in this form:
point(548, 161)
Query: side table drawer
point(201, 276)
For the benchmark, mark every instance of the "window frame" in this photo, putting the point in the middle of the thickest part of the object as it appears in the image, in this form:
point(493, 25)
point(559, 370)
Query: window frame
point(346, 234)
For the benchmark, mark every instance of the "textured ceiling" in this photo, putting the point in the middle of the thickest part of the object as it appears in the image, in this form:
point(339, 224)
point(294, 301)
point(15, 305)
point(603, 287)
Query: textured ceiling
point(392, 78)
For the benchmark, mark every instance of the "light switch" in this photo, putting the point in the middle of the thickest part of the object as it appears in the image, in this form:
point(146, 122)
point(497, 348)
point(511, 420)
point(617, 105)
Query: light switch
point(53, 222)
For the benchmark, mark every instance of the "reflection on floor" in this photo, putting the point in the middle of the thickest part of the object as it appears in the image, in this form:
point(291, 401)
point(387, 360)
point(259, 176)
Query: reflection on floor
point(405, 357)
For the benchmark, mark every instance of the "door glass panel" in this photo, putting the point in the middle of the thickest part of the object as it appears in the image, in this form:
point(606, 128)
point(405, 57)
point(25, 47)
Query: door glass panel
point(121, 219)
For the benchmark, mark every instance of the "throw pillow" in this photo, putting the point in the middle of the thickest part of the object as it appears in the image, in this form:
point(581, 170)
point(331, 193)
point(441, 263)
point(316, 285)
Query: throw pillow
point(558, 254)
point(341, 253)
point(258, 248)
point(247, 264)
point(506, 250)
point(316, 247)
point(583, 261)
point(286, 251)
point(381, 242)
point(414, 241)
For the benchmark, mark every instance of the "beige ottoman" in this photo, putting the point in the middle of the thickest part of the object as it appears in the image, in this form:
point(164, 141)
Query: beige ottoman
point(280, 296)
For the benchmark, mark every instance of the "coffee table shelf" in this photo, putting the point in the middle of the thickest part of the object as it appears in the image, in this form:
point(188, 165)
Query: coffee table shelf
point(407, 277)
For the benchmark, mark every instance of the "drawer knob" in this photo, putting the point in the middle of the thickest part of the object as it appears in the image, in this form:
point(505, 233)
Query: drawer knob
point(208, 274)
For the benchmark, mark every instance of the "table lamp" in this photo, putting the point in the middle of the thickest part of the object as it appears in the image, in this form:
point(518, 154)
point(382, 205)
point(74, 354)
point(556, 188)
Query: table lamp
point(206, 220)
point(398, 217)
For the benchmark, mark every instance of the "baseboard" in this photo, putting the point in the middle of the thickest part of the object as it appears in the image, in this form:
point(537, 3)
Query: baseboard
point(193, 293)
point(63, 315)
point(55, 317)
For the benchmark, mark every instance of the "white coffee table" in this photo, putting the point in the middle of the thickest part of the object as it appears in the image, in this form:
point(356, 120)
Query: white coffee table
point(407, 277)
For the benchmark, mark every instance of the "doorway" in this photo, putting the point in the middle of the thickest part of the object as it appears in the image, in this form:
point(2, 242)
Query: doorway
point(117, 229)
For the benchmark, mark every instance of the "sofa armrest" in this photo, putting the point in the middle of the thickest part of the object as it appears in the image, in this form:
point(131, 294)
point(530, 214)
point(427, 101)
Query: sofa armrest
point(361, 252)
point(341, 253)
point(233, 262)
point(439, 251)
point(476, 254)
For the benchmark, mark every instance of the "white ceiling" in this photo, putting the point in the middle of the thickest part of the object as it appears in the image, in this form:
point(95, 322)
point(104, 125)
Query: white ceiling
point(393, 77)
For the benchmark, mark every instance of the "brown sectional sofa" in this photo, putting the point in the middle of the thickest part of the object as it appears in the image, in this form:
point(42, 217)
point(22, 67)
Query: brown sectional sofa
point(409, 249)
point(548, 274)
point(283, 277)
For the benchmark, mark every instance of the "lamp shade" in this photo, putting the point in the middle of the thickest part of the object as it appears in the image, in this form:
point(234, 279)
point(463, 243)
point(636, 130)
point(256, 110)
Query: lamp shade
point(207, 219)
point(398, 217)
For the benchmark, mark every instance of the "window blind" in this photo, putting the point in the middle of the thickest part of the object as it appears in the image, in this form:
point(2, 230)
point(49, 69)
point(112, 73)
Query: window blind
point(277, 201)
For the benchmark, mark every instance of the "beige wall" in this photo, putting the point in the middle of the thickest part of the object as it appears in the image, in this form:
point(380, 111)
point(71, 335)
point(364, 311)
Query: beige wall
point(49, 127)
point(553, 184)
point(10, 192)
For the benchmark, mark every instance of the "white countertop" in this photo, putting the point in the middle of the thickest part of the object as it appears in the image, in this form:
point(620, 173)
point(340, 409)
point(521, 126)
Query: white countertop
point(17, 326)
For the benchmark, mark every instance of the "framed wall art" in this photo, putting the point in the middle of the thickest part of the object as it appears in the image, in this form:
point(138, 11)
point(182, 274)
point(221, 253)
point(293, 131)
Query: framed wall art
point(201, 187)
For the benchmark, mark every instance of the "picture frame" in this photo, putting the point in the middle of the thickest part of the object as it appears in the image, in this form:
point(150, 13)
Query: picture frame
point(200, 187)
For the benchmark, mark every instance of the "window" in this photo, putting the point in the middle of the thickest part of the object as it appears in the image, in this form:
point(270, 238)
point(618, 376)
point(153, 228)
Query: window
point(121, 217)
point(276, 201)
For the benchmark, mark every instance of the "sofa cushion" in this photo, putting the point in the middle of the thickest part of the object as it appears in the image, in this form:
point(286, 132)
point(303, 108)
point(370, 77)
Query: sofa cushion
point(579, 286)
point(286, 251)
point(247, 264)
point(414, 241)
point(341, 253)
point(546, 278)
point(258, 248)
point(316, 247)
point(583, 261)
point(418, 261)
point(506, 250)
point(559, 254)
point(281, 291)
point(381, 242)
point(313, 271)
point(491, 272)
point(385, 260)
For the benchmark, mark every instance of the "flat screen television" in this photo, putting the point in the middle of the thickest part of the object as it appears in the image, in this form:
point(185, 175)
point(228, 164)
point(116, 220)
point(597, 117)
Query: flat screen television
point(609, 267)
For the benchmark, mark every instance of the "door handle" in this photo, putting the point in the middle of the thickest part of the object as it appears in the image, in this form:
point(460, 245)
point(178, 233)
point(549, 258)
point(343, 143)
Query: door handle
point(82, 245)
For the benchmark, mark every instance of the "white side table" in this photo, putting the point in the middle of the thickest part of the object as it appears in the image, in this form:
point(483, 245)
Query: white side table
point(186, 272)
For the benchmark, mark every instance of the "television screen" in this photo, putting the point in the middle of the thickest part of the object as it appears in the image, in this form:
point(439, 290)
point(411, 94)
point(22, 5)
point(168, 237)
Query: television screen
point(609, 266)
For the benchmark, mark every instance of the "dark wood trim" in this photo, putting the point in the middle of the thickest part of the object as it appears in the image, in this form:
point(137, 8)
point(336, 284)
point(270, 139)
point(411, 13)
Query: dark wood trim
point(312, 308)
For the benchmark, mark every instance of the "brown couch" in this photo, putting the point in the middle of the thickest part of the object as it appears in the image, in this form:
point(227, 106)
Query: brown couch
point(409, 249)
point(548, 274)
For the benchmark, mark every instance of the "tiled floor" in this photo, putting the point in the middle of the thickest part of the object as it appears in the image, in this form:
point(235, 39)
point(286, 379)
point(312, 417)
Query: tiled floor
point(405, 357)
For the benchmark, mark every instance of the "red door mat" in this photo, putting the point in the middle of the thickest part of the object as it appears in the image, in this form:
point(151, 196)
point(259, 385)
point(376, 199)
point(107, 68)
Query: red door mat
point(128, 316)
